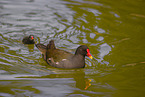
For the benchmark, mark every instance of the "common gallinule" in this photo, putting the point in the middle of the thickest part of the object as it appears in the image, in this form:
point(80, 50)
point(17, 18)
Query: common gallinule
point(63, 59)
point(28, 40)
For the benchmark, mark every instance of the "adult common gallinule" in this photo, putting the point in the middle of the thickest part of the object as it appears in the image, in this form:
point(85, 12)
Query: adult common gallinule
point(28, 40)
point(63, 59)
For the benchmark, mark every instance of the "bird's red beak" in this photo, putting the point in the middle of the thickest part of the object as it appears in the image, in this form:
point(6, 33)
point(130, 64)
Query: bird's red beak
point(32, 37)
point(88, 54)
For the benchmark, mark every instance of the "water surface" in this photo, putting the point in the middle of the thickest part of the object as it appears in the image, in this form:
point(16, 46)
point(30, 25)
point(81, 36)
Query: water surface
point(113, 31)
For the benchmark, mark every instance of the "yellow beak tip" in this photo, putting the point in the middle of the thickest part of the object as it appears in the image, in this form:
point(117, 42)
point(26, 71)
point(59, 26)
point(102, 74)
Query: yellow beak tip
point(90, 57)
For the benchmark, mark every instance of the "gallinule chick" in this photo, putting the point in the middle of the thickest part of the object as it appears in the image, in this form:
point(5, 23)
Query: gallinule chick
point(63, 59)
point(28, 40)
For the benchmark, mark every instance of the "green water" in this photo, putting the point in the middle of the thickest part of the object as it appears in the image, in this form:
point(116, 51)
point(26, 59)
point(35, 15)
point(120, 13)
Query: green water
point(113, 30)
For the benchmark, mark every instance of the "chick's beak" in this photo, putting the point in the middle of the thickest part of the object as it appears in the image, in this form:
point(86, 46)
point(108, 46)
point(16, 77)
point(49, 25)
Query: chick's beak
point(32, 37)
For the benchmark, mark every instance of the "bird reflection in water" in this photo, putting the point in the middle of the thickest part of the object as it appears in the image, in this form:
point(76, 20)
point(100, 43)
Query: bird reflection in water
point(78, 76)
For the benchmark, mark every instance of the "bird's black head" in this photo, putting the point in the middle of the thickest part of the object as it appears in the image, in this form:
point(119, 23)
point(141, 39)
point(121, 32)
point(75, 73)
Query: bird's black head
point(83, 50)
